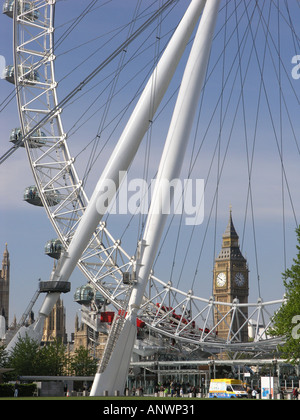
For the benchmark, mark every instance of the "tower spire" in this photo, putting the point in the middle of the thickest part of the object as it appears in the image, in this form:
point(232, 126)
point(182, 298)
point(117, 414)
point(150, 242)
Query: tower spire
point(4, 285)
point(5, 265)
point(230, 231)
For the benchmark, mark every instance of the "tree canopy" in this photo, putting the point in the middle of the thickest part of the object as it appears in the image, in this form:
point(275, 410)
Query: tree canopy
point(29, 358)
point(286, 322)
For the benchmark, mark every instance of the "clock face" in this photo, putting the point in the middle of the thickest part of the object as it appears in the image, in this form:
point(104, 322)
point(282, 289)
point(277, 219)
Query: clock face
point(221, 279)
point(239, 279)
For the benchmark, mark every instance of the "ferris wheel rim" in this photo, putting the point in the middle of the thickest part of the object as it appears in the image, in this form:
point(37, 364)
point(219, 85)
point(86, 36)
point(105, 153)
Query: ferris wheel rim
point(80, 197)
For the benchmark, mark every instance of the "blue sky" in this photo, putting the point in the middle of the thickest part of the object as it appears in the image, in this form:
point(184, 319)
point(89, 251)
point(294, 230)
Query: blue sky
point(26, 228)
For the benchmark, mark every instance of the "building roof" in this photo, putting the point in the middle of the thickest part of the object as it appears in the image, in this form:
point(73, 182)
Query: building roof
point(231, 251)
point(230, 231)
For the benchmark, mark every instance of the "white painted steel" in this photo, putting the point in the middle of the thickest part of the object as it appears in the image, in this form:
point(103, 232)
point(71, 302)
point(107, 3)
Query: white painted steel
point(175, 147)
point(169, 169)
point(103, 256)
point(131, 138)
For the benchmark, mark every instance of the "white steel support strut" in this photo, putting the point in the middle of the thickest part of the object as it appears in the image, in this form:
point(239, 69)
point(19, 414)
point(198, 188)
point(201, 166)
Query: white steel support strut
point(114, 376)
point(120, 159)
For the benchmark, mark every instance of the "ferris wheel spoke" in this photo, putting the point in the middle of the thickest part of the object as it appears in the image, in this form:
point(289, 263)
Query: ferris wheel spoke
point(165, 309)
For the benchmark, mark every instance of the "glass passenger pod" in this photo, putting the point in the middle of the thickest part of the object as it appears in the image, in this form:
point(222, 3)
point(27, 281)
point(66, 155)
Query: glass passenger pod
point(52, 198)
point(34, 141)
point(26, 75)
point(9, 74)
point(53, 248)
point(85, 294)
point(31, 196)
point(25, 7)
point(8, 8)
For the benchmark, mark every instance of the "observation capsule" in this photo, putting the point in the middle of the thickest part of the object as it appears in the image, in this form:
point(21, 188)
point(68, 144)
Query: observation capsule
point(34, 141)
point(26, 75)
point(53, 248)
point(85, 294)
point(32, 196)
point(8, 8)
point(25, 7)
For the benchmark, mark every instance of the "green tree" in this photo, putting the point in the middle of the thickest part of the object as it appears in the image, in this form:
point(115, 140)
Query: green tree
point(288, 316)
point(82, 364)
point(29, 358)
point(23, 358)
point(3, 356)
point(52, 359)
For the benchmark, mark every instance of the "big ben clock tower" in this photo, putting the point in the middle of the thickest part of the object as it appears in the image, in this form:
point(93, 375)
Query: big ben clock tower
point(230, 281)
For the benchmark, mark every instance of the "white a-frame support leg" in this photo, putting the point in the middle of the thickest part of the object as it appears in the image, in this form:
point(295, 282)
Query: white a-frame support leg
point(114, 376)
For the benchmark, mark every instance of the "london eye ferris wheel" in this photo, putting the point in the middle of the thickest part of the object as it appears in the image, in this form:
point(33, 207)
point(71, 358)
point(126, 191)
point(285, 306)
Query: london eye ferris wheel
point(115, 89)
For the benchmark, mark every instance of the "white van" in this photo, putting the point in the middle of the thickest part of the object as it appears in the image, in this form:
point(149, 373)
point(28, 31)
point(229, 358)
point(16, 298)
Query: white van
point(227, 388)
